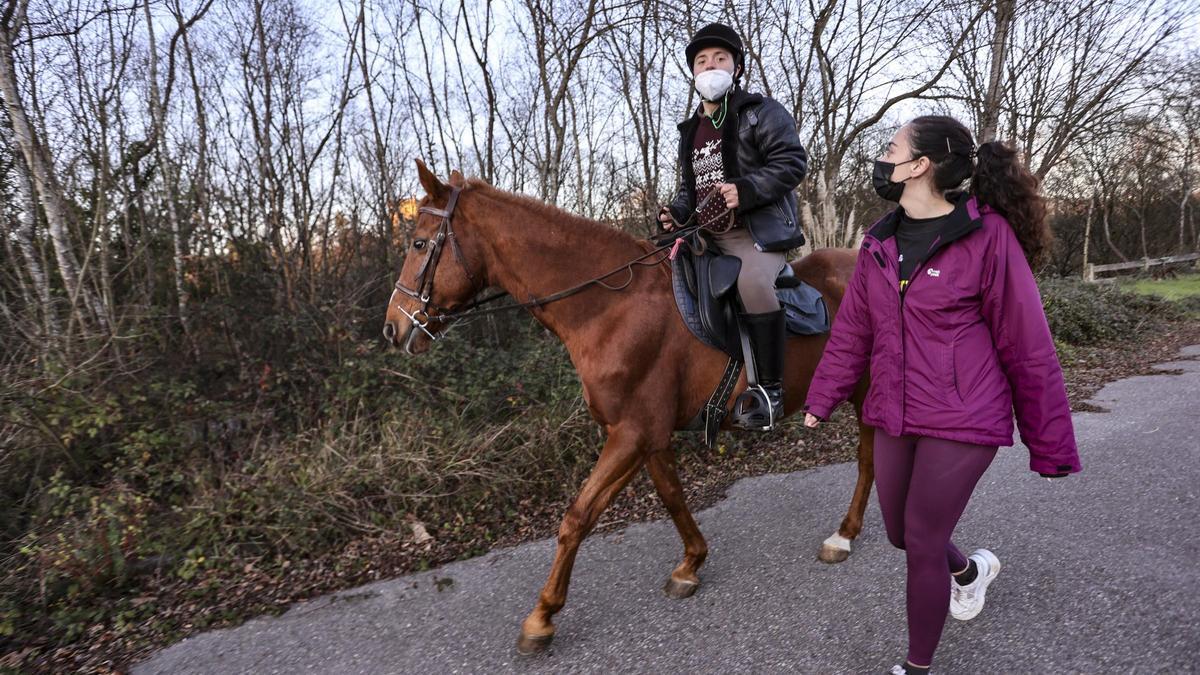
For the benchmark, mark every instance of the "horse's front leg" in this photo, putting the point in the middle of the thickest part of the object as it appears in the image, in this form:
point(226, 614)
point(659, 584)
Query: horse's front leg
point(683, 581)
point(836, 548)
point(622, 456)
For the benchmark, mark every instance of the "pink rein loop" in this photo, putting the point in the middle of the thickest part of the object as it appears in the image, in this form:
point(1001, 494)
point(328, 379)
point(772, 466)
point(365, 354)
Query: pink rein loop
point(675, 248)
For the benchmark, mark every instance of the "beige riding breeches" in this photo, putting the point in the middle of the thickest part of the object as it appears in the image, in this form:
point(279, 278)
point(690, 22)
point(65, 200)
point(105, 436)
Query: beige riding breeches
point(756, 281)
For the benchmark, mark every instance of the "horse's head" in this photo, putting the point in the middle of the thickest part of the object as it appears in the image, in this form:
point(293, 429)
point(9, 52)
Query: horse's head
point(438, 275)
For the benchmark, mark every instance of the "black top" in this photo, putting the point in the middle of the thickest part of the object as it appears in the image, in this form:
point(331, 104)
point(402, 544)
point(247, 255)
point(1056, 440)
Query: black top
point(914, 237)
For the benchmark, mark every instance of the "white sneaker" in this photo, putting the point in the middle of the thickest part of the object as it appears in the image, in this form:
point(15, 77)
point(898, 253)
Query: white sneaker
point(897, 670)
point(966, 602)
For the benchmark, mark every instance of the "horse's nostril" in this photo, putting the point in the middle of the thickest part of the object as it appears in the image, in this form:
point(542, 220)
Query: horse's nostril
point(389, 332)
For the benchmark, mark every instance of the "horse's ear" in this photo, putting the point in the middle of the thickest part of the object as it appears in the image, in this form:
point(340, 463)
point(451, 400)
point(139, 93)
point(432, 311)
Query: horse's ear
point(457, 179)
point(434, 187)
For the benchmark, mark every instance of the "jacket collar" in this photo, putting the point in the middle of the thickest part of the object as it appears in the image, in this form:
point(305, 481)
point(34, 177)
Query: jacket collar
point(963, 220)
point(738, 98)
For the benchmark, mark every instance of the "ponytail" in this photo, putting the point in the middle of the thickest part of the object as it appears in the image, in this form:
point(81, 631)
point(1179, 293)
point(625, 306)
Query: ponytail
point(1002, 182)
point(998, 178)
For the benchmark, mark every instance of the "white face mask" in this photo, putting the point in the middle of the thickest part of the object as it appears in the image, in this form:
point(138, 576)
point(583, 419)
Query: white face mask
point(713, 84)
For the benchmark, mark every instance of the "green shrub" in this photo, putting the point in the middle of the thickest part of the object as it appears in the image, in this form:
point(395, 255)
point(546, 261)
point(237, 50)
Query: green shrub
point(1082, 313)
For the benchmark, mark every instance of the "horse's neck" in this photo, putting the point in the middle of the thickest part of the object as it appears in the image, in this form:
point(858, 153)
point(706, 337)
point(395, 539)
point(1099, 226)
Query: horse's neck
point(533, 255)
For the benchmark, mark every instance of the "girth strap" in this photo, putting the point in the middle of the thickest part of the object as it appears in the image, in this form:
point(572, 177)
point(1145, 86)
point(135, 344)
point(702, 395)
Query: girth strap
point(713, 412)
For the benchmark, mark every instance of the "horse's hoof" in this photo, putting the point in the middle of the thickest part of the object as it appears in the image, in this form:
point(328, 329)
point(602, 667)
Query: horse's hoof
point(834, 550)
point(528, 645)
point(680, 589)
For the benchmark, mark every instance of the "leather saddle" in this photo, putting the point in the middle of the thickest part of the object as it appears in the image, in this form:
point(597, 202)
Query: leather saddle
point(705, 286)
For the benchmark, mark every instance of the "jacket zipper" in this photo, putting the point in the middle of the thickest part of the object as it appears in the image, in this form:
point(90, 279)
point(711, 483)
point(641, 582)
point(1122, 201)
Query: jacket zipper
point(903, 344)
point(782, 215)
point(887, 271)
point(904, 350)
point(903, 360)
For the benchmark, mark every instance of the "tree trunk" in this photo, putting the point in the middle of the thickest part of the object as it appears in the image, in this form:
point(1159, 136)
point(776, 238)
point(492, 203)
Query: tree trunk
point(1104, 217)
point(170, 179)
point(1087, 232)
point(27, 220)
point(1005, 11)
point(45, 182)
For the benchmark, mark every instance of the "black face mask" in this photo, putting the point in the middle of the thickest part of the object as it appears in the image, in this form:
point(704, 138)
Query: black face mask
point(881, 180)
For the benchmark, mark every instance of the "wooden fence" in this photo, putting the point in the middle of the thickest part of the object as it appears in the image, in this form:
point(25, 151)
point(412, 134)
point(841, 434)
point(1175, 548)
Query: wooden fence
point(1144, 263)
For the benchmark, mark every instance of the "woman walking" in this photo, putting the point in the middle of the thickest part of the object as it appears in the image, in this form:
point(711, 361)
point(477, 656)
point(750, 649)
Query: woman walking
point(944, 309)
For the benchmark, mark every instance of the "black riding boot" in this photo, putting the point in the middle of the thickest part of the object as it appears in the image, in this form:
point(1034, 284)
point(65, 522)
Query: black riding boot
point(759, 408)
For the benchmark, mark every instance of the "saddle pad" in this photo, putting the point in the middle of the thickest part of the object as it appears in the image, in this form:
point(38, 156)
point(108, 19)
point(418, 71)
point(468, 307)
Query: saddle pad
point(804, 308)
point(685, 300)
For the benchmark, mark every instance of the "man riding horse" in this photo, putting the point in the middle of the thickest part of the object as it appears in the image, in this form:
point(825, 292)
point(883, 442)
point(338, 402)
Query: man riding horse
point(743, 147)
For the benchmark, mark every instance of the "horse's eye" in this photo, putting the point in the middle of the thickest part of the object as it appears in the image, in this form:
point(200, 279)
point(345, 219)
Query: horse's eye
point(419, 245)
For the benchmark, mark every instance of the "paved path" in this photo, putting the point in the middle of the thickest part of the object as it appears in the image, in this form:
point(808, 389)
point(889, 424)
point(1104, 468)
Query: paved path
point(1101, 575)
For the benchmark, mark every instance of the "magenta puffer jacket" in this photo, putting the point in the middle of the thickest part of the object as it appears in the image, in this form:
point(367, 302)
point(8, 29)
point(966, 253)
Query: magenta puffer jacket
point(954, 355)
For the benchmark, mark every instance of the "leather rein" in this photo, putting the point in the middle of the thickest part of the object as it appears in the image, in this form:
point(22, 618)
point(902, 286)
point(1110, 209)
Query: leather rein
point(421, 318)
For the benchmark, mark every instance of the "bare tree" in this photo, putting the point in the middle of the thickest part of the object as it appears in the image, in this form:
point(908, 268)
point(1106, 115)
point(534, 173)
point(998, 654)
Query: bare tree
point(1003, 18)
point(860, 50)
point(559, 35)
point(1183, 101)
point(13, 18)
point(1070, 71)
point(168, 168)
point(26, 226)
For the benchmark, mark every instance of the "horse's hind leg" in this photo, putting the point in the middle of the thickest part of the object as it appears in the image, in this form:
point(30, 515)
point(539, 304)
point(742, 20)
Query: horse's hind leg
point(836, 548)
point(683, 581)
point(620, 459)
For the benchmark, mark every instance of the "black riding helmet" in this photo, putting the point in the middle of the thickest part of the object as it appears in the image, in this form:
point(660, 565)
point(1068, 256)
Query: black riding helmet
point(717, 35)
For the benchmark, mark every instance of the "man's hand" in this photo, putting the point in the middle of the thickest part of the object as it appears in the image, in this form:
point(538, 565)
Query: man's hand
point(666, 219)
point(811, 421)
point(729, 192)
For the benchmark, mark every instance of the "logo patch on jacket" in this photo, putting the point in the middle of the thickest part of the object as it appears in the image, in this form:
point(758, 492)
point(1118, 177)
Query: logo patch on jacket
point(932, 272)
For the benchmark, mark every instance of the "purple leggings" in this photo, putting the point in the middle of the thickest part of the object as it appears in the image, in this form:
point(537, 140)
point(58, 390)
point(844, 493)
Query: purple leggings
point(923, 486)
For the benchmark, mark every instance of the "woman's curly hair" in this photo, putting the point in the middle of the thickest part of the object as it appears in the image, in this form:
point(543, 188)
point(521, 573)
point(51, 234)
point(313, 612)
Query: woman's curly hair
point(998, 177)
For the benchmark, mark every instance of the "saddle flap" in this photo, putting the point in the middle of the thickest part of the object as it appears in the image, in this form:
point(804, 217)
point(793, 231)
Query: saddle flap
point(686, 263)
point(723, 274)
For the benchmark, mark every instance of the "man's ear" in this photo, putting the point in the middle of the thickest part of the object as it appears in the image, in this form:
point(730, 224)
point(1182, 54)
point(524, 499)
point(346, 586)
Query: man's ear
point(434, 187)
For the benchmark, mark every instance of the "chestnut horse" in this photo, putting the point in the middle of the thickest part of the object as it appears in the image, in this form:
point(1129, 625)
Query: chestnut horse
point(644, 375)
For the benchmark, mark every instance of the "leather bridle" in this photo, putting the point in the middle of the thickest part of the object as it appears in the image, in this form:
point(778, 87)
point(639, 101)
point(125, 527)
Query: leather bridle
point(421, 318)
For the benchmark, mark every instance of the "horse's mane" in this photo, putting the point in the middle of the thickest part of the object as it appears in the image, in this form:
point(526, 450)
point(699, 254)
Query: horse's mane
point(591, 228)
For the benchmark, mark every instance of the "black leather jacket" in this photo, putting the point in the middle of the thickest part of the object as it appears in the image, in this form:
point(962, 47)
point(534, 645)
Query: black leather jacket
point(762, 153)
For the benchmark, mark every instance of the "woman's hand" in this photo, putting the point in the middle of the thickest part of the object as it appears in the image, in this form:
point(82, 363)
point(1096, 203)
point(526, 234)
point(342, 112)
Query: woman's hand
point(811, 421)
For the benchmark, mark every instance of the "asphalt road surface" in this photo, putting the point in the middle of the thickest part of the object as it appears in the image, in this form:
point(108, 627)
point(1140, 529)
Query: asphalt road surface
point(1101, 574)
